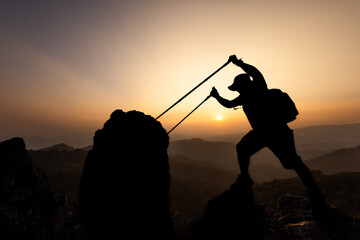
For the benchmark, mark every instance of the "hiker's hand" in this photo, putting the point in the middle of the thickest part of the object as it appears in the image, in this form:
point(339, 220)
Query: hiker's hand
point(233, 59)
point(214, 93)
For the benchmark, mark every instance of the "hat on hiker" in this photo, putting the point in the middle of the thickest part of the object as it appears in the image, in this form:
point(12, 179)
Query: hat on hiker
point(241, 81)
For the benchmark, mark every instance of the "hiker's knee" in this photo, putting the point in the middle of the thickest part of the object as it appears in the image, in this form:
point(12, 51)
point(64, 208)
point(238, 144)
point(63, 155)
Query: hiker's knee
point(241, 149)
point(294, 162)
point(243, 159)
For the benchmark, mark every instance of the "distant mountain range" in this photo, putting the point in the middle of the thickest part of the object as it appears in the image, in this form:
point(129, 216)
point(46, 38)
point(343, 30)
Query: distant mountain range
point(338, 161)
point(198, 155)
point(59, 147)
point(318, 146)
point(311, 141)
point(264, 165)
point(330, 149)
point(328, 137)
point(64, 147)
point(221, 154)
point(316, 137)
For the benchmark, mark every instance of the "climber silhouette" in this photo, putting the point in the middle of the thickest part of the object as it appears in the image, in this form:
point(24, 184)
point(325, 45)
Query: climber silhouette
point(267, 129)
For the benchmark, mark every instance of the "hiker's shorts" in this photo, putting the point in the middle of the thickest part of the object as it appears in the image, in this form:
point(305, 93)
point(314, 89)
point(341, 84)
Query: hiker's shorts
point(279, 140)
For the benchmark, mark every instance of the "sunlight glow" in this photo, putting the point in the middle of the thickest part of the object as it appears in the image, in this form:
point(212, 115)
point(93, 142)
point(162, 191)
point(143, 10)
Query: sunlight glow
point(219, 117)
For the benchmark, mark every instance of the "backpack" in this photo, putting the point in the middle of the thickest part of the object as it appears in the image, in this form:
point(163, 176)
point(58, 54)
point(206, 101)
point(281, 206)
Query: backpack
point(281, 106)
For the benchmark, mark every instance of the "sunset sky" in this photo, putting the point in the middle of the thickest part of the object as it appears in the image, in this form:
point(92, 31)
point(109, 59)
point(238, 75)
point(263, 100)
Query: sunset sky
point(66, 65)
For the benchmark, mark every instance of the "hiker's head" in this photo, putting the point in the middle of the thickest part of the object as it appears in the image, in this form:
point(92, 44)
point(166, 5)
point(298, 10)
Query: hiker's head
point(242, 83)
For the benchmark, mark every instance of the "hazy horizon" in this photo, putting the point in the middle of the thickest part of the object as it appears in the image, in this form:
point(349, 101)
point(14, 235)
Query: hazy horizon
point(80, 141)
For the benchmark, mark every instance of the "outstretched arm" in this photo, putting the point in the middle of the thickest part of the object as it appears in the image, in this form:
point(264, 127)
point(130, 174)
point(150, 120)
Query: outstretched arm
point(224, 102)
point(252, 71)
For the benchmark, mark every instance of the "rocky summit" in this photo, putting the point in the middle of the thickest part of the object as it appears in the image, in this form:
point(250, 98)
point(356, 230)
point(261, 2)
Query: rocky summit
point(235, 215)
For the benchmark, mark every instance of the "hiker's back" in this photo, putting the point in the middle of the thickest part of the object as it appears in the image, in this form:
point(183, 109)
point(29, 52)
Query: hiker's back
point(281, 107)
point(270, 109)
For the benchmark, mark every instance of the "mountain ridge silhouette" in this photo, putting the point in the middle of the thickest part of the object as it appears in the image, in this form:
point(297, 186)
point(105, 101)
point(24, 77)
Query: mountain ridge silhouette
point(350, 132)
point(59, 147)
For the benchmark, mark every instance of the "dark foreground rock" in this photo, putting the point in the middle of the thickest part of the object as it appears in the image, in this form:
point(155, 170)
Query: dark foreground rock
point(124, 189)
point(28, 208)
point(232, 215)
point(296, 219)
point(235, 215)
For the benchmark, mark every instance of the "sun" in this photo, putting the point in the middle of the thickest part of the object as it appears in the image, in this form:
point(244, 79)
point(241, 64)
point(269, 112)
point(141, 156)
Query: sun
point(219, 117)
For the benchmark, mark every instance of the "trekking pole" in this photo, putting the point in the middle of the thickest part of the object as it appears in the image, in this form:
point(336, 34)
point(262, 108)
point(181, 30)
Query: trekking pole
point(190, 113)
point(194, 89)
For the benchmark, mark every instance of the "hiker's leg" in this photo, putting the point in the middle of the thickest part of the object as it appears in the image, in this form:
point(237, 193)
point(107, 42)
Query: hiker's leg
point(305, 175)
point(283, 146)
point(249, 145)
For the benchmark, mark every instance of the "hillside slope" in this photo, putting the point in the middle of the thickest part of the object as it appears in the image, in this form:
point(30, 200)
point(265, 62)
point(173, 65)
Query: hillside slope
point(342, 160)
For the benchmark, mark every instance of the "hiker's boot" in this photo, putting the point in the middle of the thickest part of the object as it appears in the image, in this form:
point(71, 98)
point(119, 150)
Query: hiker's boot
point(319, 208)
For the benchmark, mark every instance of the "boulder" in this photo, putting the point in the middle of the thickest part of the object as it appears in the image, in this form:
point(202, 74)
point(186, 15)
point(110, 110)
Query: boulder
point(232, 215)
point(297, 219)
point(235, 215)
point(124, 188)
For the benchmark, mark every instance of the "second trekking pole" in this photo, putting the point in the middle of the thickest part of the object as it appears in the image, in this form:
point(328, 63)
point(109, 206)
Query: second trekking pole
point(190, 113)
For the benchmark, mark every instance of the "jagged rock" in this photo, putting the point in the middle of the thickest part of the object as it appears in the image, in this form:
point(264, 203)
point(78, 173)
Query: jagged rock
point(28, 208)
point(65, 220)
point(235, 215)
point(297, 220)
point(232, 215)
point(124, 189)
point(293, 209)
point(305, 230)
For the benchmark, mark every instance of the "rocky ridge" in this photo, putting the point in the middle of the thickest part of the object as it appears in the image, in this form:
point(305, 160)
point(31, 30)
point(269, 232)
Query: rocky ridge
point(28, 207)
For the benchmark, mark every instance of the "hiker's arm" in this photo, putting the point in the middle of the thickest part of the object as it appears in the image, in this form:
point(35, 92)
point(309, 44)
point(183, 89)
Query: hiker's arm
point(224, 102)
point(256, 75)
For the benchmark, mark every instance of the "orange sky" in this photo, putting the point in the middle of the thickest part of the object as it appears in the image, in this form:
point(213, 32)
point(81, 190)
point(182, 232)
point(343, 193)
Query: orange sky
point(64, 67)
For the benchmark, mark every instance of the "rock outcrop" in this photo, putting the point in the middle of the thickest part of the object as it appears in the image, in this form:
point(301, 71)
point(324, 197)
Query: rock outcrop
point(235, 215)
point(295, 219)
point(232, 215)
point(28, 208)
point(124, 189)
